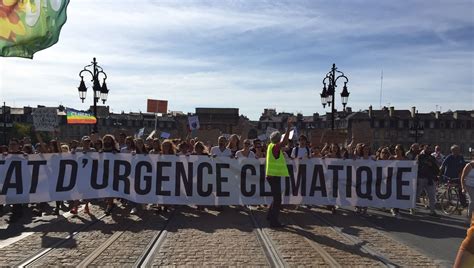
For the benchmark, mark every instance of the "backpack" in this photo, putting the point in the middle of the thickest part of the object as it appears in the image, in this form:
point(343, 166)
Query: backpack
point(297, 148)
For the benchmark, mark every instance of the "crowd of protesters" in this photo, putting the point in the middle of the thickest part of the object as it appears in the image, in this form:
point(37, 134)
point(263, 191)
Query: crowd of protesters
point(432, 164)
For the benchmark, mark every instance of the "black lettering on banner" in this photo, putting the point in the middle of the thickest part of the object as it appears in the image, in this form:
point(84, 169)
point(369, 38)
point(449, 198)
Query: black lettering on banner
point(335, 178)
point(220, 179)
point(243, 180)
point(160, 178)
point(367, 185)
point(349, 181)
point(35, 174)
point(122, 177)
point(60, 187)
point(105, 175)
point(388, 183)
point(187, 179)
point(299, 185)
point(318, 173)
point(15, 167)
point(200, 190)
point(263, 185)
point(146, 178)
point(401, 183)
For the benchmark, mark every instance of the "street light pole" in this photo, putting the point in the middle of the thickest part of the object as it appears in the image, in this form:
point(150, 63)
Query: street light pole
point(328, 94)
point(100, 92)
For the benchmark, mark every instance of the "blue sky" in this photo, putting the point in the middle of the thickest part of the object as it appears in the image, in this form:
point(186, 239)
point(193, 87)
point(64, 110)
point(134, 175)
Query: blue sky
point(255, 54)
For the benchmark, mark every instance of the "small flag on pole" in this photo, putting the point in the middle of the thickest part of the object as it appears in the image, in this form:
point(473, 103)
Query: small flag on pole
point(75, 117)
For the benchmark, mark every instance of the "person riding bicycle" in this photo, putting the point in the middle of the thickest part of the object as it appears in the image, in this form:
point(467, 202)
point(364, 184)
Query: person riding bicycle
point(452, 167)
point(427, 174)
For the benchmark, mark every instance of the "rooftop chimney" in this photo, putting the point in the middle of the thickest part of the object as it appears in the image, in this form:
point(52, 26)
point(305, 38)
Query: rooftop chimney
point(391, 111)
point(370, 111)
point(437, 114)
point(413, 110)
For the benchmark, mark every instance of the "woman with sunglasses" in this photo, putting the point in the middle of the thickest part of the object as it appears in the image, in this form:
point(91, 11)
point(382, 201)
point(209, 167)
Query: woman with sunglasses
point(245, 152)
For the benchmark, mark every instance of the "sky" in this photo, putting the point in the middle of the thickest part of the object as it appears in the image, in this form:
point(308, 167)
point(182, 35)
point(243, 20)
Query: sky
point(255, 54)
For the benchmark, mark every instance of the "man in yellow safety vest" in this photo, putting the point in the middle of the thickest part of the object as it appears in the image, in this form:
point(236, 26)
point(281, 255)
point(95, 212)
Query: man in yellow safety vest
point(275, 169)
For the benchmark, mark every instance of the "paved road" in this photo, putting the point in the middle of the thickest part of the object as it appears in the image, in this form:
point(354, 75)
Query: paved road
point(438, 237)
point(310, 239)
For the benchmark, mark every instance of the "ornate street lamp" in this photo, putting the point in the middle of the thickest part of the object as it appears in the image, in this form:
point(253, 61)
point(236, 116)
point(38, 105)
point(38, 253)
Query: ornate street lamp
point(100, 92)
point(328, 94)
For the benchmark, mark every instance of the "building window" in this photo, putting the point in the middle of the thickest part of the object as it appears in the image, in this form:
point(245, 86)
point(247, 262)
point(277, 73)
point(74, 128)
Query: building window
point(432, 124)
point(400, 123)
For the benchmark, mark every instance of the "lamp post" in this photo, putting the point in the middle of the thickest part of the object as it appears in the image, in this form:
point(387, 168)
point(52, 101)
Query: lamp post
point(100, 92)
point(328, 94)
point(417, 130)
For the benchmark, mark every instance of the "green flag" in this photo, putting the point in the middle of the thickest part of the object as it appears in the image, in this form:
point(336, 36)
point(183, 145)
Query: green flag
point(28, 26)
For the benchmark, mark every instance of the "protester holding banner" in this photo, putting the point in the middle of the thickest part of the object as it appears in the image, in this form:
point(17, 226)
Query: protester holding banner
point(155, 146)
point(85, 148)
point(399, 155)
point(245, 152)
point(17, 209)
point(109, 146)
point(275, 169)
point(221, 149)
point(168, 148)
point(234, 144)
point(55, 147)
point(257, 149)
point(200, 149)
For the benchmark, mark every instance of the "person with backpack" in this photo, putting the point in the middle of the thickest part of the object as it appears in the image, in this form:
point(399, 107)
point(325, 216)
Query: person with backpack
point(302, 150)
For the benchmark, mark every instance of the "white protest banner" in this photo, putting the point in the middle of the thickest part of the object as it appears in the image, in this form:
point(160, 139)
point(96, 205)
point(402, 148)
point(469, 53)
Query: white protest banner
point(193, 122)
point(165, 135)
point(169, 179)
point(45, 119)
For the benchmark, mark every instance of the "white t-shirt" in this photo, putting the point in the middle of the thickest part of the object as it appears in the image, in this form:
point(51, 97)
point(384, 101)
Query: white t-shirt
point(217, 152)
point(302, 152)
point(240, 154)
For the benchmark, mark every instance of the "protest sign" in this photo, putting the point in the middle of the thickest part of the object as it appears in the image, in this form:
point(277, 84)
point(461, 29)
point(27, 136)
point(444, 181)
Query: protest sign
point(262, 137)
point(188, 180)
point(157, 106)
point(165, 135)
point(45, 119)
point(193, 122)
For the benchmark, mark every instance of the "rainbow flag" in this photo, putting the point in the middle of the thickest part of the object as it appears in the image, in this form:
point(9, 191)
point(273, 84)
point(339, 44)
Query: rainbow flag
point(28, 26)
point(75, 117)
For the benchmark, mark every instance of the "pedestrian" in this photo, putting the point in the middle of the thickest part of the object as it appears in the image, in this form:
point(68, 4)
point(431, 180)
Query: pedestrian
point(427, 173)
point(301, 151)
point(452, 167)
point(245, 152)
point(109, 146)
point(467, 184)
point(399, 155)
point(276, 168)
point(14, 149)
point(438, 155)
point(85, 148)
point(234, 144)
point(258, 149)
point(221, 149)
point(155, 146)
point(413, 152)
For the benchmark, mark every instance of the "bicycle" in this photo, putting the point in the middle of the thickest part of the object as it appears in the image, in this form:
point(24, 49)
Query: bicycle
point(447, 195)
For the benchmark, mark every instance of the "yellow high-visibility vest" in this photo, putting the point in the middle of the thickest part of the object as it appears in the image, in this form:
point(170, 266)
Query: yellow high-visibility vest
point(275, 167)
